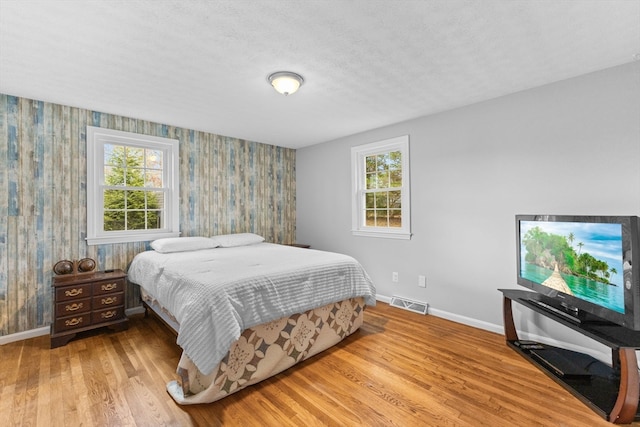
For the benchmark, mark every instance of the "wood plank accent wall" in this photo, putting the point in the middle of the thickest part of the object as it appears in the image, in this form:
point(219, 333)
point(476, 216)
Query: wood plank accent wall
point(227, 185)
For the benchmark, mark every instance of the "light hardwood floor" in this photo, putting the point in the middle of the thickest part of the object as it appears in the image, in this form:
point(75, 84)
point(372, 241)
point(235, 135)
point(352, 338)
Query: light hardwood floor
point(400, 369)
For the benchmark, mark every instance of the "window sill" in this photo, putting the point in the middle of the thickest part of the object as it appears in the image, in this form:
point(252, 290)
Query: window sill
point(101, 240)
point(382, 234)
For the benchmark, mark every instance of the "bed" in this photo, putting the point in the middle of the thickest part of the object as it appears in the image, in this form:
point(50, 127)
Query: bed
point(245, 310)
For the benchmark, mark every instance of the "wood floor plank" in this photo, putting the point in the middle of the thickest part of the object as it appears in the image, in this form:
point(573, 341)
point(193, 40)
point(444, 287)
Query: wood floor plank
point(67, 388)
point(23, 407)
point(43, 388)
point(52, 412)
point(399, 369)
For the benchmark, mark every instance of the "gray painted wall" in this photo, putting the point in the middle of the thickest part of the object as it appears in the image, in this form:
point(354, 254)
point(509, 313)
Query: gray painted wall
point(571, 147)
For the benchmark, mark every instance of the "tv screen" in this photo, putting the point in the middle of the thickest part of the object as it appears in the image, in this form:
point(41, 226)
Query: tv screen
point(582, 263)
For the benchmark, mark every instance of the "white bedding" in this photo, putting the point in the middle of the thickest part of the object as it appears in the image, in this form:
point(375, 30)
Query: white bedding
point(217, 293)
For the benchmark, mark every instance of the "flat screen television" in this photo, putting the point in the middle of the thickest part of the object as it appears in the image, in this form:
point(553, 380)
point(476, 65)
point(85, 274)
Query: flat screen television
point(582, 266)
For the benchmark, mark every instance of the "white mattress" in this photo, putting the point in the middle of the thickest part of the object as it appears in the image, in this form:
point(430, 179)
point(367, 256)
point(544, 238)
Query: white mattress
point(217, 293)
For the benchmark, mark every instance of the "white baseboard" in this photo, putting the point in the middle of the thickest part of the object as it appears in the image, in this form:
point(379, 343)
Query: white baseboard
point(135, 310)
point(454, 317)
point(469, 321)
point(33, 333)
point(24, 335)
point(499, 329)
point(383, 298)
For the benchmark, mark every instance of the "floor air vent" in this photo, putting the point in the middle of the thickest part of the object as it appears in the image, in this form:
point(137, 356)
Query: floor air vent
point(407, 304)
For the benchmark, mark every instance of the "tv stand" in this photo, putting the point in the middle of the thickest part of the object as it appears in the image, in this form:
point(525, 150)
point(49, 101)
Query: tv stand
point(611, 391)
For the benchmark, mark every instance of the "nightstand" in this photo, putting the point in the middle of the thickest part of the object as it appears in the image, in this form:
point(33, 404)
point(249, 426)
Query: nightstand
point(87, 301)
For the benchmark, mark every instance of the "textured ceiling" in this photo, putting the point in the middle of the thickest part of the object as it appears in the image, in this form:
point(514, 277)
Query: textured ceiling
point(367, 63)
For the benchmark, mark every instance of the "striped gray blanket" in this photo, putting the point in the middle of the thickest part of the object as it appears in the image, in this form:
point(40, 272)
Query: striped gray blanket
point(215, 294)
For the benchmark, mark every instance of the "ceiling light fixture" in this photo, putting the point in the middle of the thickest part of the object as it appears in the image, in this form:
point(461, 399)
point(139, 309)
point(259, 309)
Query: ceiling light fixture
point(286, 82)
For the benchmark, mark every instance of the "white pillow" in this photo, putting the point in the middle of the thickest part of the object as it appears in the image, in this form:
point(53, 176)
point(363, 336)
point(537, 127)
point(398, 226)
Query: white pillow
point(181, 244)
point(239, 239)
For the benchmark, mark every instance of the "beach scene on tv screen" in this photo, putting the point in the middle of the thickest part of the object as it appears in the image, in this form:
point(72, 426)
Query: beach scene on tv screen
point(584, 260)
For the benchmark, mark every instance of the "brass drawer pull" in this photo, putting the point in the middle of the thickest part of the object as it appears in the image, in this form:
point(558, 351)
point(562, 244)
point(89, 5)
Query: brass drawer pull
point(73, 322)
point(108, 314)
point(74, 307)
point(73, 292)
point(109, 286)
point(108, 301)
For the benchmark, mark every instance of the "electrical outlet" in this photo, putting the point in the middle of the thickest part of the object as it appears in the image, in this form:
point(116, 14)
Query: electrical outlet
point(394, 277)
point(422, 281)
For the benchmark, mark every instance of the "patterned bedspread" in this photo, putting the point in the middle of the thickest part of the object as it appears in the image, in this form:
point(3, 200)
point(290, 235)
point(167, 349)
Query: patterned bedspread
point(216, 294)
point(268, 349)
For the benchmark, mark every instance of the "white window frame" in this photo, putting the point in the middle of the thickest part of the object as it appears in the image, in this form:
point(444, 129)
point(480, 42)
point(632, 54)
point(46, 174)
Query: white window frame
point(96, 140)
point(358, 181)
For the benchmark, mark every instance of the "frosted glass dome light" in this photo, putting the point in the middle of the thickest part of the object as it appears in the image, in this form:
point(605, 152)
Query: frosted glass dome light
point(286, 82)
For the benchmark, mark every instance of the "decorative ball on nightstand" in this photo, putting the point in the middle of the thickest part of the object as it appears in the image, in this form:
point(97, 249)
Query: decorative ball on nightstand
point(63, 267)
point(85, 265)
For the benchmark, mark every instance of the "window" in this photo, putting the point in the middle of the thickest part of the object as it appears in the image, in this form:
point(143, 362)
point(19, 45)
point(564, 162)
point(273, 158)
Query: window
point(381, 202)
point(132, 187)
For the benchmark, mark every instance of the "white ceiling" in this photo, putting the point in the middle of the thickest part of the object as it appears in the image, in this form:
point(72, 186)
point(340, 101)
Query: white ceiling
point(203, 65)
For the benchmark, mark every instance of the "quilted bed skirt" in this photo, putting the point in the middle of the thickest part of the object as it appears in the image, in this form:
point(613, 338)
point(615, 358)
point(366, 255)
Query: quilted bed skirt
point(266, 350)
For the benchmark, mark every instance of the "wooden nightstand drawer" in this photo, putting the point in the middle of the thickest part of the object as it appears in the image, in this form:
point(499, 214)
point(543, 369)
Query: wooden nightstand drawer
point(106, 301)
point(108, 286)
point(107, 315)
point(73, 322)
point(88, 301)
point(72, 307)
point(73, 292)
